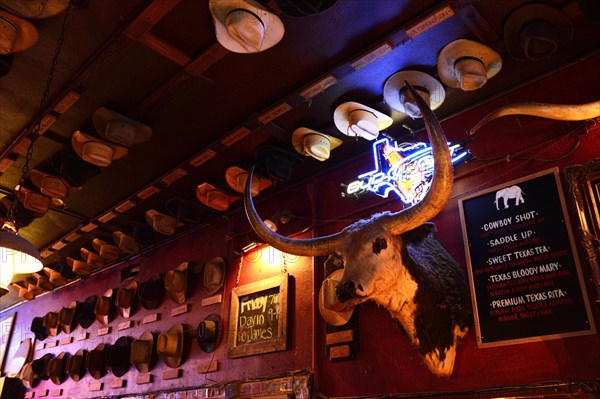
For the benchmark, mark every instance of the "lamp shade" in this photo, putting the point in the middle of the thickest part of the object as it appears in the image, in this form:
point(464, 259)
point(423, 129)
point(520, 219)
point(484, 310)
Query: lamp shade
point(17, 255)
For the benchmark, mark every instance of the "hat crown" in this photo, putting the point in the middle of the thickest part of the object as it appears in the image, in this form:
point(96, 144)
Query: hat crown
point(246, 28)
point(175, 280)
point(317, 146)
point(8, 35)
point(168, 344)
point(141, 350)
point(471, 73)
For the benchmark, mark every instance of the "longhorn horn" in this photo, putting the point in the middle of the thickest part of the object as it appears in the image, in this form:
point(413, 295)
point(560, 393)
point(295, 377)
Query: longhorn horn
point(561, 112)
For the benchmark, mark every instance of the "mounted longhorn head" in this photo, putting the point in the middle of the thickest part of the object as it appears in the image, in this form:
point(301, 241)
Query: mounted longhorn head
point(392, 259)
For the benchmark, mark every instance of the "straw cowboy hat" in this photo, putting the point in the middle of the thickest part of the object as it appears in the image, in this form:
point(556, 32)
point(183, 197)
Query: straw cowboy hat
point(214, 275)
point(75, 366)
point(66, 318)
point(151, 292)
point(35, 9)
point(169, 346)
point(357, 120)
point(95, 150)
point(142, 351)
point(56, 368)
point(535, 31)
point(314, 144)
point(467, 64)
point(95, 362)
point(245, 26)
point(125, 300)
point(84, 311)
point(214, 197)
point(16, 34)
point(104, 307)
point(119, 129)
point(333, 311)
point(119, 356)
point(399, 98)
point(162, 223)
point(176, 283)
point(209, 332)
point(236, 179)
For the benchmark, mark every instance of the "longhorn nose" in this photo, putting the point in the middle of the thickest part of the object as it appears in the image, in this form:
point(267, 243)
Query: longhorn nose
point(345, 291)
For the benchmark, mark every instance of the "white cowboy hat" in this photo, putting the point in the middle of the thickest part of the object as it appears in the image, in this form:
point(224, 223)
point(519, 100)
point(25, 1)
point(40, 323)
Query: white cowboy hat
point(314, 144)
point(245, 26)
point(35, 8)
point(397, 97)
point(467, 64)
point(120, 129)
point(16, 34)
point(95, 150)
point(357, 120)
point(333, 311)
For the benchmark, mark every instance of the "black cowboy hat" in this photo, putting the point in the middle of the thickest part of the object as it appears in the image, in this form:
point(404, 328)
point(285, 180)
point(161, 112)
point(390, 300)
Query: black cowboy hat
point(39, 366)
point(119, 356)
point(38, 329)
point(276, 163)
point(151, 292)
point(84, 311)
point(95, 362)
point(56, 368)
point(208, 333)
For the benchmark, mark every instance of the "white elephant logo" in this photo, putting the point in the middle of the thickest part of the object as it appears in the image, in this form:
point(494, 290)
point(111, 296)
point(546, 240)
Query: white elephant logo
point(512, 192)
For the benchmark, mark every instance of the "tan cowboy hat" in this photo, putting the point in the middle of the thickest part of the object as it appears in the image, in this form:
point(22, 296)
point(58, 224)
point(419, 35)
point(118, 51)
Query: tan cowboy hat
point(314, 144)
point(29, 378)
point(399, 98)
point(333, 311)
point(50, 185)
point(126, 243)
point(125, 300)
point(119, 129)
point(535, 31)
point(142, 350)
point(214, 275)
point(467, 64)
point(245, 26)
point(169, 346)
point(35, 201)
point(107, 251)
point(176, 283)
point(79, 267)
point(214, 198)
point(66, 318)
point(357, 120)
point(16, 34)
point(92, 258)
point(95, 150)
point(161, 223)
point(104, 307)
point(236, 179)
point(35, 9)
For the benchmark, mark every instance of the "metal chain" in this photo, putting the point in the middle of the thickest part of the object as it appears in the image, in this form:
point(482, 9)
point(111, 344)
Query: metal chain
point(41, 110)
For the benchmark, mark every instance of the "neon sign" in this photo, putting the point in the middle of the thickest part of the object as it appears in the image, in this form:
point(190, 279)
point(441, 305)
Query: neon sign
point(405, 169)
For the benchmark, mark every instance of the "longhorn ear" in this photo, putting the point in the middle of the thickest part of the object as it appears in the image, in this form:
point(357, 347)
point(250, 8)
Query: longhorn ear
point(419, 233)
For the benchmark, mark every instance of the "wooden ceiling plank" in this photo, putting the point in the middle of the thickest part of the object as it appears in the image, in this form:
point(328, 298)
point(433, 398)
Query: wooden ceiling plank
point(165, 49)
point(151, 15)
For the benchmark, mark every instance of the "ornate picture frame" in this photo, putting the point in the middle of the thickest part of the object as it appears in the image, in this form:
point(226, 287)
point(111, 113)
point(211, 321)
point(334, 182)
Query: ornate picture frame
point(584, 187)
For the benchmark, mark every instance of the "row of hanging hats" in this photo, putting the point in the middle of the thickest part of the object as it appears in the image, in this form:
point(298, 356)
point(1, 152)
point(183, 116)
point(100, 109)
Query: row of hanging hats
point(177, 283)
point(171, 346)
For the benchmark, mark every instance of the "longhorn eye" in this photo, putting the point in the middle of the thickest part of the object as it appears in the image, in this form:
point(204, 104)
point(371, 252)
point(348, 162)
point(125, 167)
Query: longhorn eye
point(379, 244)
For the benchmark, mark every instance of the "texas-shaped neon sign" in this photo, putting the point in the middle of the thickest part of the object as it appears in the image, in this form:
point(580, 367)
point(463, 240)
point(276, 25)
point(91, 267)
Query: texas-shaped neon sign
point(405, 169)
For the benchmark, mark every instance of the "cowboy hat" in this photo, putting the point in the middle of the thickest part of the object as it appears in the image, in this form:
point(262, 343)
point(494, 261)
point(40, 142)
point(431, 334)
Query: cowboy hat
point(333, 311)
point(314, 144)
point(467, 64)
point(119, 129)
point(29, 377)
point(73, 169)
point(40, 366)
point(16, 34)
point(38, 329)
point(151, 292)
point(214, 275)
point(51, 323)
point(398, 97)
point(161, 223)
point(119, 355)
point(97, 261)
point(17, 360)
point(95, 150)
point(49, 184)
point(35, 9)
point(275, 162)
point(187, 212)
point(245, 26)
point(176, 283)
point(125, 300)
point(214, 197)
point(80, 267)
point(107, 251)
point(75, 366)
point(84, 311)
point(126, 243)
point(236, 179)
point(142, 351)
point(535, 31)
point(66, 318)
point(208, 333)
point(357, 120)
point(141, 232)
point(21, 216)
point(34, 200)
point(56, 368)
point(104, 307)
point(302, 8)
point(95, 362)
point(169, 346)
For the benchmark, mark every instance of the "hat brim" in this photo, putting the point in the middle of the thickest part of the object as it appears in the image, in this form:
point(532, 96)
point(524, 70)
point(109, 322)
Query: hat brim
point(35, 9)
point(340, 116)
point(330, 316)
point(27, 33)
point(396, 82)
point(102, 116)
point(300, 133)
point(210, 346)
point(79, 139)
point(463, 48)
point(274, 28)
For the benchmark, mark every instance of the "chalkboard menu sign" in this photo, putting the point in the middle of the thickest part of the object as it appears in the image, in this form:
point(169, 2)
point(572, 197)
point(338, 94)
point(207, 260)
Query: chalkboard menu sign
point(258, 317)
point(526, 283)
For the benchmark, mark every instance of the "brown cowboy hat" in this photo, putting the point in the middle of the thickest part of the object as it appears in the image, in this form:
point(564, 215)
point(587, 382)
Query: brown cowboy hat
point(214, 197)
point(169, 346)
point(151, 292)
point(161, 223)
point(95, 362)
point(125, 300)
point(119, 129)
point(49, 184)
point(51, 323)
point(66, 318)
point(16, 34)
point(214, 275)
point(108, 251)
point(104, 307)
point(75, 366)
point(236, 179)
point(29, 377)
point(56, 368)
point(142, 351)
point(177, 282)
point(35, 9)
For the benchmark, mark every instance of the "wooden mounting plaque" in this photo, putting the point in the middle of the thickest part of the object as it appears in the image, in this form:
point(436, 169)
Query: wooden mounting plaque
point(171, 374)
point(42, 393)
point(65, 341)
point(211, 300)
point(29, 395)
point(143, 379)
point(207, 367)
point(82, 336)
point(95, 386)
point(151, 318)
point(118, 383)
point(56, 392)
point(180, 310)
point(125, 325)
point(103, 331)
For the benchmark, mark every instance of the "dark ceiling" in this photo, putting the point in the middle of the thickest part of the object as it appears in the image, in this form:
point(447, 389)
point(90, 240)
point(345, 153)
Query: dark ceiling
point(158, 61)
